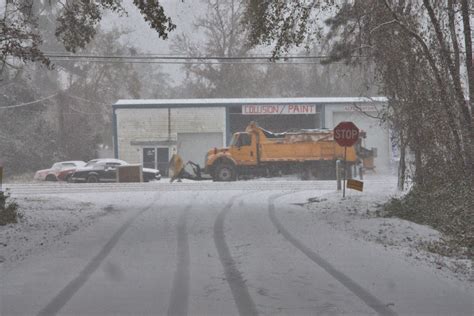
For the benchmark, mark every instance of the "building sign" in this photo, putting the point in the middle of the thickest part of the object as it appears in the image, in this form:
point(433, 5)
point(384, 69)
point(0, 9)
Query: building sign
point(360, 108)
point(279, 109)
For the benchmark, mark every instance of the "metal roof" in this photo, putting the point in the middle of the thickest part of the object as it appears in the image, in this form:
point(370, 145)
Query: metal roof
point(149, 103)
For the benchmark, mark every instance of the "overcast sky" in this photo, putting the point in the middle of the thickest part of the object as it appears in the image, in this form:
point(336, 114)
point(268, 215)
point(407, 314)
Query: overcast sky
point(182, 13)
point(142, 36)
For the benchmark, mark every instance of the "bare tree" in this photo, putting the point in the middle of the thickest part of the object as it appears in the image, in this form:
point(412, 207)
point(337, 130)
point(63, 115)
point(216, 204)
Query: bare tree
point(224, 36)
point(431, 32)
point(76, 25)
point(420, 50)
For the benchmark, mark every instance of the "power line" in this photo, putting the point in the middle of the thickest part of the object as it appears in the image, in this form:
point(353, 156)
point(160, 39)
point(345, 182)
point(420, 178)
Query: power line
point(85, 100)
point(29, 103)
point(187, 58)
point(50, 97)
point(82, 112)
point(184, 62)
point(169, 59)
point(183, 56)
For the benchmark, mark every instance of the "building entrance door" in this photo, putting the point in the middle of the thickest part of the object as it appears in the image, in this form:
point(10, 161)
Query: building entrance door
point(162, 160)
point(156, 158)
point(149, 158)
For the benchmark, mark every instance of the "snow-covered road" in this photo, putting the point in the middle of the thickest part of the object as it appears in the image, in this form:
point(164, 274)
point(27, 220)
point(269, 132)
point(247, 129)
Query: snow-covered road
point(243, 248)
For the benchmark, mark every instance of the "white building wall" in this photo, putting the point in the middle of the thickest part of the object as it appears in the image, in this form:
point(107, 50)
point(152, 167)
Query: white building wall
point(377, 135)
point(151, 125)
point(136, 126)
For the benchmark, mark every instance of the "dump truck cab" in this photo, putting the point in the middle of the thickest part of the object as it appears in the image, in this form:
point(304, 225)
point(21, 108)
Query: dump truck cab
point(223, 163)
point(243, 148)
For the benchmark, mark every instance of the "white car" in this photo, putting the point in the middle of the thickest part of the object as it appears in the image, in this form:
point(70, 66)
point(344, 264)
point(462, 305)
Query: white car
point(59, 171)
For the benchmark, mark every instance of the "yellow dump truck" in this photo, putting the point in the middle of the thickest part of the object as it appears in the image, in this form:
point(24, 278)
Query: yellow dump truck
point(258, 152)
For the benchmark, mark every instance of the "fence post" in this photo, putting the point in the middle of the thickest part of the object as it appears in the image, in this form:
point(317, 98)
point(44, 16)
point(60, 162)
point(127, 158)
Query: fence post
point(2, 194)
point(338, 174)
point(1, 177)
point(345, 173)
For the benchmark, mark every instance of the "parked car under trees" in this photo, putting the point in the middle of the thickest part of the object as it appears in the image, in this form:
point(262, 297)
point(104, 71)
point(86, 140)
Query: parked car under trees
point(60, 171)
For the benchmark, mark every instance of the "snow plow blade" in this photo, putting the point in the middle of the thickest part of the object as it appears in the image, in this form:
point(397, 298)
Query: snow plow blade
point(179, 170)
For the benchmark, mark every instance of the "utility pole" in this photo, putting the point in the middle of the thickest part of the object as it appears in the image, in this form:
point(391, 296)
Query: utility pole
point(60, 112)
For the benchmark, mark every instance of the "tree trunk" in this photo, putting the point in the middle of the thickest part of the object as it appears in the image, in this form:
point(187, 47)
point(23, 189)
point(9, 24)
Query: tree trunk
point(402, 164)
point(468, 112)
point(61, 131)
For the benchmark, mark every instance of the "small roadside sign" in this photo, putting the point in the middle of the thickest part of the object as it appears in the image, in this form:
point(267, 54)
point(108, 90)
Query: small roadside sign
point(1, 177)
point(355, 185)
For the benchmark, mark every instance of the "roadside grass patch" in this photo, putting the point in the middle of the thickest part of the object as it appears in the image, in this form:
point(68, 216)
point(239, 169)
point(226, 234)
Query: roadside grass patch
point(9, 211)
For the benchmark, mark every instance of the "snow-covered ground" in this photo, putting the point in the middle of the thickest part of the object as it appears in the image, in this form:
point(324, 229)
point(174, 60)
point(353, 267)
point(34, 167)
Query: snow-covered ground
point(359, 215)
point(250, 247)
point(46, 221)
point(48, 218)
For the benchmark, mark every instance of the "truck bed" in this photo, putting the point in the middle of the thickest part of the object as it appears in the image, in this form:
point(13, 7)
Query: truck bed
point(304, 151)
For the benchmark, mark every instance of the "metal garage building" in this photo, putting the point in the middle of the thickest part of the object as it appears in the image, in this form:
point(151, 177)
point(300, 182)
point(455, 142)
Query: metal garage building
point(150, 131)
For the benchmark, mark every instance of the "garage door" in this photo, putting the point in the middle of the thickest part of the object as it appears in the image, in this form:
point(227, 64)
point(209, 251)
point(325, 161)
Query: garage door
point(194, 146)
point(377, 136)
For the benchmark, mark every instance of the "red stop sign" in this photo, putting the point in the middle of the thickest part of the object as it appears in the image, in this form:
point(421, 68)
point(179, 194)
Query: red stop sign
point(346, 134)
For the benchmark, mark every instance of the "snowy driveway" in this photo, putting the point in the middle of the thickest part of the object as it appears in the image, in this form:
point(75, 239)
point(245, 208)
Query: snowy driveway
point(220, 249)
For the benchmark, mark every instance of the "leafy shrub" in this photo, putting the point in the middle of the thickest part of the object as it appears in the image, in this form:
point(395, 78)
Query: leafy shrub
point(448, 208)
point(8, 210)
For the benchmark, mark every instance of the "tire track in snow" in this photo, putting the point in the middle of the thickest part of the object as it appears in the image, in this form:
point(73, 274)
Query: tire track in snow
point(240, 292)
point(61, 299)
point(369, 299)
point(179, 299)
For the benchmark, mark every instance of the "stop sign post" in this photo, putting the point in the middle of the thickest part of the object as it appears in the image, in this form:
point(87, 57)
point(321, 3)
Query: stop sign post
point(1, 176)
point(346, 134)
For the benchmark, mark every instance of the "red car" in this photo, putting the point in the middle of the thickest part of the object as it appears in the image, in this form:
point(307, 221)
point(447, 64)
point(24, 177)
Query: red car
point(60, 171)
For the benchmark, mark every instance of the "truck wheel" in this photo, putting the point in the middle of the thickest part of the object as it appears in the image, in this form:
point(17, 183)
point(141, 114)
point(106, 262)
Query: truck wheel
point(92, 179)
point(304, 175)
point(225, 172)
point(306, 172)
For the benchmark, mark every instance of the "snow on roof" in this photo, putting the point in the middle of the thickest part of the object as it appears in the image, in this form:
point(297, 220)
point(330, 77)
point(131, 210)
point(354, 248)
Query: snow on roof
point(105, 160)
point(238, 101)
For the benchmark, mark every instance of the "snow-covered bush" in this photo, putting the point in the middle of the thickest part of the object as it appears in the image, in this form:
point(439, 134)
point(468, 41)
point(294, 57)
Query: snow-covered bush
point(8, 210)
point(448, 208)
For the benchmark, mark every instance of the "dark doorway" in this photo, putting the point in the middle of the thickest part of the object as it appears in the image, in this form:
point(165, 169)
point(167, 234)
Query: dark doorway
point(163, 157)
point(156, 158)
point(149, 157)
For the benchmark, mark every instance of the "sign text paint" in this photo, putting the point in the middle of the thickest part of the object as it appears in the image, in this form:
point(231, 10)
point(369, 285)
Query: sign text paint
point(287, 109)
